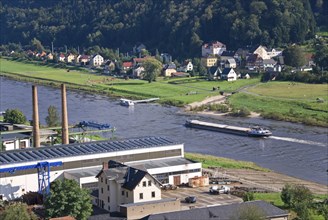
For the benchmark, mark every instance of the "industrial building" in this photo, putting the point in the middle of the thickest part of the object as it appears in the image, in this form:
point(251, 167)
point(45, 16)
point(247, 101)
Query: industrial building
point(32, 169)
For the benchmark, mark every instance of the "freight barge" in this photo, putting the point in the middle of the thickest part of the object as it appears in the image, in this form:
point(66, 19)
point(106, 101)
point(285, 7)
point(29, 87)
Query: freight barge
point(254, 131)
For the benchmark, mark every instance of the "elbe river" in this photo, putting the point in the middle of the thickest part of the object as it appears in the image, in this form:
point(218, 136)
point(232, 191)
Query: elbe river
point(294, 149)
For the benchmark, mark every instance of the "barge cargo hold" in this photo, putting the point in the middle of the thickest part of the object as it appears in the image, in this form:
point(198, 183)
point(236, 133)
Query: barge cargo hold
point(254, 132)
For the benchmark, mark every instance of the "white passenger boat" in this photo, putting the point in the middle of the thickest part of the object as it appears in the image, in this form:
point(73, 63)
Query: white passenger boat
point(259, 132)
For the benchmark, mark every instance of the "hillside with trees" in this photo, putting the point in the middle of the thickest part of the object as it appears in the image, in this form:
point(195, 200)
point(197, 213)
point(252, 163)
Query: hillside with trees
point(178, 27)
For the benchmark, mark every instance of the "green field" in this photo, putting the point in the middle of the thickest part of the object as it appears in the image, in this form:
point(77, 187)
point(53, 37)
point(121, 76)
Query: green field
point(296, 102)
point(212, 161)
point(173, 91)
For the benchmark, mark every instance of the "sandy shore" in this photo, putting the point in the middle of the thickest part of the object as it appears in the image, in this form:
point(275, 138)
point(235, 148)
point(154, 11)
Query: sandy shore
point(219, 99)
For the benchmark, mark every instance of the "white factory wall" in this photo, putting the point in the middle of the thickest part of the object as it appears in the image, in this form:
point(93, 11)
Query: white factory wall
point(16, 186)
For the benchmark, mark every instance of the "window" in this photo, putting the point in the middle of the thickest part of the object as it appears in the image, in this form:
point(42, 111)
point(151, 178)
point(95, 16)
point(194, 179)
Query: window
point(107, 187)
point(106, 181)
point(101, 179)
point(127, 194)
point(122, 192)
point(149, 183)
point(102, 190)
point(140, 195)
point(108, 199)
point(153, 194)
point(144, 183)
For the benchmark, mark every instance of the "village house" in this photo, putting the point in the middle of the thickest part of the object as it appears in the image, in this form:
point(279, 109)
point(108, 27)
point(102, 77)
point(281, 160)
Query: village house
point(213, 48)
point(96, 60)
point(77, 59)
point(127, 65)
point(50, 56)
point(225, 56)
point(137, 71)
point(169, 69)
point(261, 52)
point(230, 63)
point(84, 60)
point(209, 61)
point(254, 61)
point(186, 67)
point(61, 58)
point(70, 58)
point(274, 53)
point(269, 63)
point(228, 74)
point(139, 61)
point(214, 73)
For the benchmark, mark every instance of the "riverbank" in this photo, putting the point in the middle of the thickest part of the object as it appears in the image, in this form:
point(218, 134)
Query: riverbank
point(190, 92)
point(251, 174)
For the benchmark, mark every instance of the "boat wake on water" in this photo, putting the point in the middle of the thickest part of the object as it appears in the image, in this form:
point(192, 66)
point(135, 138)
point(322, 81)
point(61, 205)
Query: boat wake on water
point(298, 141)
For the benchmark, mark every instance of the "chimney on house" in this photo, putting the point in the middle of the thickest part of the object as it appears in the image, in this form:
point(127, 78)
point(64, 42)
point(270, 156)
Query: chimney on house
point(65, 139)
point(36, 129)
point(105, 166)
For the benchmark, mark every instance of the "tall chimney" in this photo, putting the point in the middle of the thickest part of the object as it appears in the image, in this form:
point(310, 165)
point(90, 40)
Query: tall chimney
point(36, 129)
point(64, 116)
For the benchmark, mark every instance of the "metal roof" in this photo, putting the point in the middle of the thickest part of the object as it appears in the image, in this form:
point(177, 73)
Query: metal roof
point(71, 150)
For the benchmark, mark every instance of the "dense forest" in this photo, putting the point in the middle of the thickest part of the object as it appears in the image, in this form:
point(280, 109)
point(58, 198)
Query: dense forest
point(178, 27)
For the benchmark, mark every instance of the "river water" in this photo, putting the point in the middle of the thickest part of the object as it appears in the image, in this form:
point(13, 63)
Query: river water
point(296, 150)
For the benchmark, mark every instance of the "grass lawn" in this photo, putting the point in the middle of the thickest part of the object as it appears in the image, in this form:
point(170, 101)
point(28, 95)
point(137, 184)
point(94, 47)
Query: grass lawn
point(171, 91)
point(284, 101)
point(290, 90)
point(212, 161)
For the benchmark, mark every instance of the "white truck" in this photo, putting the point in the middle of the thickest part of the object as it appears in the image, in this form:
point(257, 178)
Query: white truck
point(219, 190)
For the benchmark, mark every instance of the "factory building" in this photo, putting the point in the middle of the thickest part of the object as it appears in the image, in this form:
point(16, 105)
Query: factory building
point(20, 169)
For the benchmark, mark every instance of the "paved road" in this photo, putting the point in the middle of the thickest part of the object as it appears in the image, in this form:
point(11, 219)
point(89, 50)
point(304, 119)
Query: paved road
point(204, 198)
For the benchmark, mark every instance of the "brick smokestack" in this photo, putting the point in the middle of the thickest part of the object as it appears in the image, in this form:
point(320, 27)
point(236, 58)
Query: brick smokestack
point(36, 129)
point(64, 116)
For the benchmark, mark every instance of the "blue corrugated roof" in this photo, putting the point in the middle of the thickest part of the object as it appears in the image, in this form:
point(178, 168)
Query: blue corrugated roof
point(46, 153)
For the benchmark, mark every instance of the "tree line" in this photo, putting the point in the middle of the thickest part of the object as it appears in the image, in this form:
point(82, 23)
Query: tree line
point(178, 27)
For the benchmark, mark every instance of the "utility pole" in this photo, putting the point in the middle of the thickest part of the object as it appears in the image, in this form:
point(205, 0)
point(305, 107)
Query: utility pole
point(52, 47)
point(66, 48)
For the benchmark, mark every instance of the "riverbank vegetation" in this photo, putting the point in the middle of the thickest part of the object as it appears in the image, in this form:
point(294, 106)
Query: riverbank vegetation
point(287, 101)
point(212, 161)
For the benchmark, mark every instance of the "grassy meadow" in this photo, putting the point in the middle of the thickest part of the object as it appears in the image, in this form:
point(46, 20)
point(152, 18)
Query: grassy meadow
point(296, 102)
point(171, 91)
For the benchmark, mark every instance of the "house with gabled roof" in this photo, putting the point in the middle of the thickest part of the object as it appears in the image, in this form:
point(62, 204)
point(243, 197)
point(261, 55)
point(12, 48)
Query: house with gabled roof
point(213, 48)
point(120, 184)
point(254, 61)
point(214, 73)
point(229, 74)
point(261, 51)
point(169, 69)
point(96, 60)
point(127, 65)
point(70, 58)
point(61, 58)
point(84, 60)
point(186, 67)
point(230, 63)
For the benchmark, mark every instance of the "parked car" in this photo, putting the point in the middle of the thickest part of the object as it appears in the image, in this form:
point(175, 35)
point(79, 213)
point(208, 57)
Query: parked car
point(169, 187)
point(190, 199)
point(219, 190)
